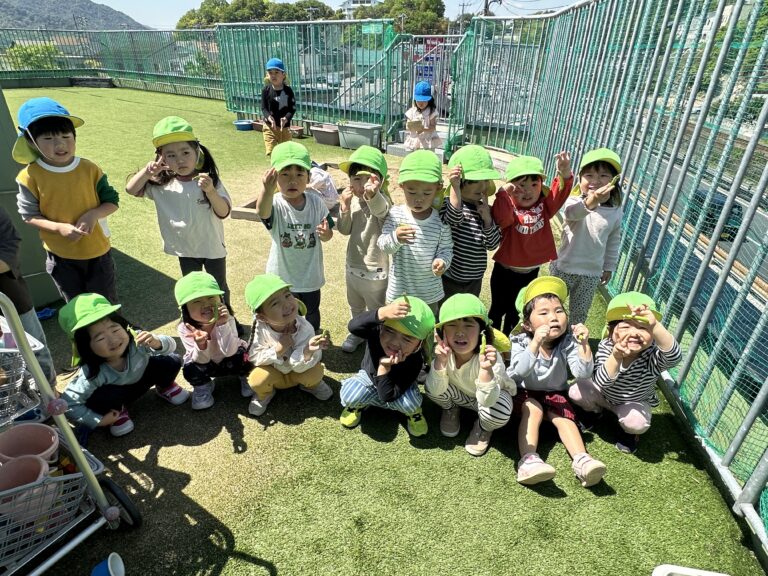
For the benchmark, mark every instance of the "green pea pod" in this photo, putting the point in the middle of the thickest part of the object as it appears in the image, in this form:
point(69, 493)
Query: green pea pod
point(363, 173)
point(326, 334)
point(482, 343)
point(215, 316)
point(615, 180)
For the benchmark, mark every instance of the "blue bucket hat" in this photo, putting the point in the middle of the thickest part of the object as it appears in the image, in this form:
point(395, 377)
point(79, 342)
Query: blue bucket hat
point(275, 64)
point(31, 111)
point(422, 92)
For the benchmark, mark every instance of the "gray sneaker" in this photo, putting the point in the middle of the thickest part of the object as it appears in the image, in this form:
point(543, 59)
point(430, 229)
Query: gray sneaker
point(202, 396)
point(257, 407)
point(450, 422)
point(322, 391)
point(351, 342)
point(245, 388)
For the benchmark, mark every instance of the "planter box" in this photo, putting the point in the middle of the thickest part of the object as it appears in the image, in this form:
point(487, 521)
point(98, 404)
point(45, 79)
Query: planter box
point(352, 135)
point(297, 131)
point(326, 134)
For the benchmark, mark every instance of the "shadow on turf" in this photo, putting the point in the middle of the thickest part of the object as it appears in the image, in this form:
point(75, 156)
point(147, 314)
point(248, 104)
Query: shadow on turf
point(293, 407)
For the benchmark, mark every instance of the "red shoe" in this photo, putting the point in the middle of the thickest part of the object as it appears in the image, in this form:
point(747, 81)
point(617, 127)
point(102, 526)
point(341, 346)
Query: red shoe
point(123, 425)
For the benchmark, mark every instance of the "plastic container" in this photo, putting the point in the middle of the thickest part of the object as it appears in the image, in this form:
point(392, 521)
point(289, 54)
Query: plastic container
point(670, 570)
point(20, 472)
point(29, 439)
point(243, 125)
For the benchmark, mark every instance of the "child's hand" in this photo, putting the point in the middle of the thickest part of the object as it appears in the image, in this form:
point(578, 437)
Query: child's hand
point(405, 233)
point(71, 232)
point(206, 183)
point(271, 122)
point(541, 334)
point(563, 163)
point(386, 363)
point(488, 360)
point(319, 342)
point(454, 177)
point(581, 333)
point(109, 418)
point(269, 181)
point(620, 349)
point(87, 222)
point(200, 337)
point(283, 122)
point(155, 168)
point(438, 267)
point(371, 187)
point(645, 313)
point(144, 338)
point(606, 277)
point(345, 199)
point(442, 353)
point(484, 211)
point(324, 231)
point(394, 311)
point(223, 315)
point(284, 344)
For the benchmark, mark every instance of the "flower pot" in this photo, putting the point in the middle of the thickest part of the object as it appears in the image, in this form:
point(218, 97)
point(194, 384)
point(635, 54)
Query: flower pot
point(352, 135)
point(326, 134)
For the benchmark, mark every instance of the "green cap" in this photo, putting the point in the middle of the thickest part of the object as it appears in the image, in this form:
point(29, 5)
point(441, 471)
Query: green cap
point(258, 290)
point(84, 310)
point(420, 321)
point(196, 285)
point(476, 163)
point(618, 307)
point(421, 166)
point(601, 155)
point(524, 166)
point(539, 286)
point(366, 156)
point(462, 306)
point(172, 129)
point(289, 153)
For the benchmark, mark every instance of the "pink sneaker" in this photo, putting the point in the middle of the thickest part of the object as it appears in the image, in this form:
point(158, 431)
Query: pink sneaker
point(123, 425)
point(588, 470)
point(532, 469)
point(174, 394)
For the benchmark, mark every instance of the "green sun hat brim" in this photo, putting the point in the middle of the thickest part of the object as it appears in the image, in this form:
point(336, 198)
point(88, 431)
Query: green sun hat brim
point(462, 306)
point(601, 155)
point(195, 285)
point(539, 286)
point(366, 156)
point(476, 163)
point(172, 129)
point(289, 154)
point(421, 166)
point(618, 307)
point(84, 310)
point(420, 322)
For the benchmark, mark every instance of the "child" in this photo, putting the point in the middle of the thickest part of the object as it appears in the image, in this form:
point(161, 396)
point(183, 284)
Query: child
point(64, 196)
point(538, 363)
point(117, 365)
point(278, 105)
point(421, 120)
point(522, 209)
point(467, 212)
point(283, 346)
point(468, 372)
point(363, 207)
point(209, 335)
point(295, 221)
point(591, 236)
point(419, 242)
point(190, 199)
point(628, 365)
point(396, 337)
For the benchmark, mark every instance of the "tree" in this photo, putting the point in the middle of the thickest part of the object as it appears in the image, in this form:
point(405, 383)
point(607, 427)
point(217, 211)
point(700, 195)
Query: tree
point(202, 66)
point(421, 16)
point(214, 11)
point(39, 57)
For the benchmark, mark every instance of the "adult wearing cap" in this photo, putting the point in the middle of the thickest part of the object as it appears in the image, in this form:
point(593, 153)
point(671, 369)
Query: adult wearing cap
point(278, 105)
point(629, 361)
point(421, 120)
point(363, 206)
point(467, 212)
point(396, 336)
point(539, 361)
point(297, 222)
point(591, 237)
point(64, 197)
point(468, 372)
point(117, 365)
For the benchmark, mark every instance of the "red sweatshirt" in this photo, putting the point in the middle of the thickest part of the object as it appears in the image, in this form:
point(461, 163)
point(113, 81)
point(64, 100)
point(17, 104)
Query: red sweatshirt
point(526, 236)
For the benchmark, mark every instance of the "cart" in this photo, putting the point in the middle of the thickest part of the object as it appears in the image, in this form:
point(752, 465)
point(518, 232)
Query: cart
point(56, 511)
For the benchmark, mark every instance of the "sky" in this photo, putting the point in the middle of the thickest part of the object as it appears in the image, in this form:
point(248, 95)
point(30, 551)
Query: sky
point(165, 13)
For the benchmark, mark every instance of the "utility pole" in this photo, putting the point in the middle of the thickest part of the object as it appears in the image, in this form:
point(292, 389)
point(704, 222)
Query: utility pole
point(461, 18)
point(402, 23)
point(486, 6)
point(311, 10)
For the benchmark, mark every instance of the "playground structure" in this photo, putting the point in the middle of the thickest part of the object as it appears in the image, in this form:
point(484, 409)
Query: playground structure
point(679, 89)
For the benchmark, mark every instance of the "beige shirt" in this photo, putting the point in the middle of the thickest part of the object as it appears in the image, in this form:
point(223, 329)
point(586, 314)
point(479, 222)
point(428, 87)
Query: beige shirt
point(362, 223)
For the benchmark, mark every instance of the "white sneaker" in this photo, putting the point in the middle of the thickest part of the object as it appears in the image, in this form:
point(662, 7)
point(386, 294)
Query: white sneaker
point(257, 407)
point(351, 342)
point(245, 388)
point(322, 391)
point(202, 396)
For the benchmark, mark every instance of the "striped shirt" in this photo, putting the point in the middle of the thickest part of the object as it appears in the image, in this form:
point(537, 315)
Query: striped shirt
point(410, 271)
point(636, 382)
point(471, 242)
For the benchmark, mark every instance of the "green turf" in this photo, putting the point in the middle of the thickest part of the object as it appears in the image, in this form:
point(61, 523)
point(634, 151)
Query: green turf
point(293, 493)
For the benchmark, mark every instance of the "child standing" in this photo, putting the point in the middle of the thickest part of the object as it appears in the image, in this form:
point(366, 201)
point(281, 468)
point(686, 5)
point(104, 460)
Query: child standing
point(210, 339)
point(283, 346)
point(278, 105)
point(468, 214)
point(363, 207)
point(538, 363)
point(396, 336)
point(295, 221)
point(467, 372)
point(64, 197)
point(419, 242)
point(117, 365)
point(190, 199)
point(523, 209)
point(421, 120)
point(591, 236)
point(629, 361)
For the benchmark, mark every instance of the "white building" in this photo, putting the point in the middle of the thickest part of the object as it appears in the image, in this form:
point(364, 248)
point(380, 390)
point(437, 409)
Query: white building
point(349, 6)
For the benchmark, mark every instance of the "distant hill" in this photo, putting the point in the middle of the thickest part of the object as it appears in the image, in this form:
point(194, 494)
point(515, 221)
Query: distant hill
point(63, 15)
